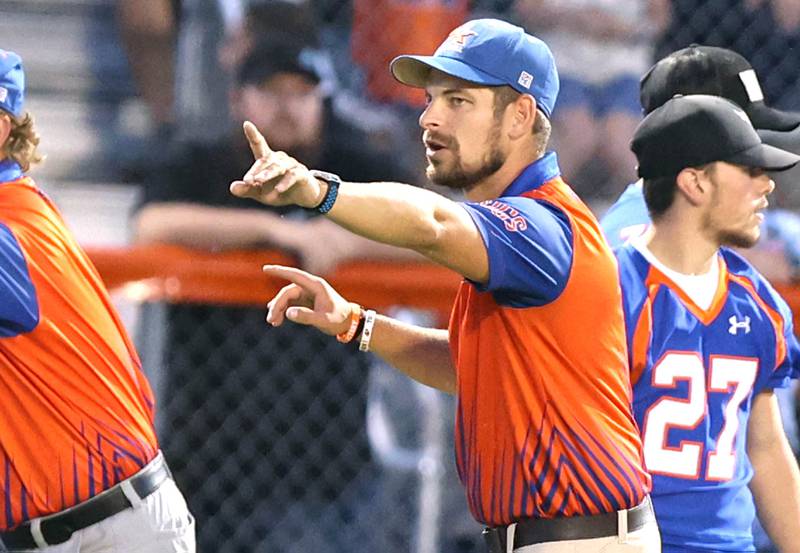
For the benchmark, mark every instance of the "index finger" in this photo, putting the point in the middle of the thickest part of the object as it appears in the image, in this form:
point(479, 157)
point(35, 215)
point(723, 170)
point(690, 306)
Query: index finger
point(298, 276)
point(258, 144)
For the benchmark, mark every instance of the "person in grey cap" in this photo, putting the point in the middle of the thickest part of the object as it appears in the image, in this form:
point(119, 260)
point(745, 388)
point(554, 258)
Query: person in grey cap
point(709, 339)
point(545, 442)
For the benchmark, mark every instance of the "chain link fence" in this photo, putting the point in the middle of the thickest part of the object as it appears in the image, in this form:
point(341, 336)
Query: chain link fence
point(284, 440)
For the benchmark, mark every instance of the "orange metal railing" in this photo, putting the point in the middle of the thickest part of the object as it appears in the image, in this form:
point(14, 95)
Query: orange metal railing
point(175, 274)
point(180, 275)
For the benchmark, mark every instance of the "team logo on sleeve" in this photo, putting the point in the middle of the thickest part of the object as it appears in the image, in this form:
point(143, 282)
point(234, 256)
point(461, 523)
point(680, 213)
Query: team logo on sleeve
point(511, 218)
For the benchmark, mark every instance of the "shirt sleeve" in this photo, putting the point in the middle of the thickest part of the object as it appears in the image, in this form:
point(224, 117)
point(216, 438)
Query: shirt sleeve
point(19, 307)
point(529, 243)
point(792, 360)
point(789, 368)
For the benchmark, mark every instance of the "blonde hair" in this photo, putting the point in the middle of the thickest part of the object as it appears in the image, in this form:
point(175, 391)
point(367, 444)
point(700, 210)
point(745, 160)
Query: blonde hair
point(22, 142)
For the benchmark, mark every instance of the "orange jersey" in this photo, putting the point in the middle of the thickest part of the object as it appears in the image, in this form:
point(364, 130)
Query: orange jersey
point(77, 413)
point(544, 426)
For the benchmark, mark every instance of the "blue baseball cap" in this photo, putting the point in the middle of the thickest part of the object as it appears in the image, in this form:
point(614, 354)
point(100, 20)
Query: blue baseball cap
point(489, 52)
point(12, 83)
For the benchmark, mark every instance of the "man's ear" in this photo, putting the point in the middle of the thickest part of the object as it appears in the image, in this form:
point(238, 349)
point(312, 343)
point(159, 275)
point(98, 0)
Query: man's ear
point(694, 184)
point(523, 116)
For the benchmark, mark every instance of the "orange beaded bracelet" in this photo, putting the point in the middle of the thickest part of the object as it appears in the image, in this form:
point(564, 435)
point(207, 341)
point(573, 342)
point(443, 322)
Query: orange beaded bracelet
point(355, 318)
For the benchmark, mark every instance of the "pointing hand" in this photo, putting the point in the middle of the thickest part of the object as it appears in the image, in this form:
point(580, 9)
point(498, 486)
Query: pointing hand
point(276, 178)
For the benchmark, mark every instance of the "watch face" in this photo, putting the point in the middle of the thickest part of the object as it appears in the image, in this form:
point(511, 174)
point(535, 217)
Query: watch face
point(327, 177)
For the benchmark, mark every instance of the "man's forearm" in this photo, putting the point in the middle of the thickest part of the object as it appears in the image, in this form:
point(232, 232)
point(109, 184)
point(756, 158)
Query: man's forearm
point(776, 490)
point(421, 353)
point(392, 213)
point(776, 479)
point(414, 218)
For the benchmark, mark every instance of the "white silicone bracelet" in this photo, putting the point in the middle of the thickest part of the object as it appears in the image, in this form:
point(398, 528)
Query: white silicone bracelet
point(366, 334)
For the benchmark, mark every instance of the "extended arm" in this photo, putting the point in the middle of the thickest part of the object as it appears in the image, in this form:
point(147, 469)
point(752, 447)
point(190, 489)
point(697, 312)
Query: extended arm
point(776, 482)
point(391, 213)
point(421, 353)
point(417, 219)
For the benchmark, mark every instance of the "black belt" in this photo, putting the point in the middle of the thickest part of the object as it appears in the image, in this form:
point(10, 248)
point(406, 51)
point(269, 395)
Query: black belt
point(542, 530)
point(59, 527)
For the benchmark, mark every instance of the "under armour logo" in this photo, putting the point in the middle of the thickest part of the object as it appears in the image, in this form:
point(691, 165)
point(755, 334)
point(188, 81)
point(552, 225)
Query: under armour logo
point(737, 324)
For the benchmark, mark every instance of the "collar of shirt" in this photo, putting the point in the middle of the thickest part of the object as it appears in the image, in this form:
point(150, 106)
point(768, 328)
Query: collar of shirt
point(9, 170)
point(534, 175)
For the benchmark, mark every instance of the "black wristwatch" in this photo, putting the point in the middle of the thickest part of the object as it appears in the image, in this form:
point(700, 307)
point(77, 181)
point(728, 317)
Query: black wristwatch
point(333, 190)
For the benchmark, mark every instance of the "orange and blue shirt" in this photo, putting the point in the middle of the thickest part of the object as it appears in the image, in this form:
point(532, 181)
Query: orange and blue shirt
point(544, 426)
point(695, 372)
point(77, 411)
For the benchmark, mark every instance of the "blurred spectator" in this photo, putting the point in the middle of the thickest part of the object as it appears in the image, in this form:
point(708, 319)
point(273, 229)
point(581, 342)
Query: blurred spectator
point(172, 46)
point(186, 202)
point(266, 19)
point(278, 88)
point(602, 47)
point(202, 42)
point(148, 32)
point(384, 29)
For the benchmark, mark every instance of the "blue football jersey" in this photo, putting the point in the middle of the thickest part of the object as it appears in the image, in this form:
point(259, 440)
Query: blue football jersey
point(694, 373)
point(627, 218)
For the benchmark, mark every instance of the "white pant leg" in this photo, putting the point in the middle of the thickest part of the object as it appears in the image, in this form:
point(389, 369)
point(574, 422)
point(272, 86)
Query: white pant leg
point(645, 540)
point(161, 523)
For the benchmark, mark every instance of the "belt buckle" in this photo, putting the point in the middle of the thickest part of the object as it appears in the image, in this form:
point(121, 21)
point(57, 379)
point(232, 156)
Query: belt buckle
point(494, 539)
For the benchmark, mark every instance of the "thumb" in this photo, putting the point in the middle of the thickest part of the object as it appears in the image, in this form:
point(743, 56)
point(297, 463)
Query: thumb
point(258, 144)
point(303, 316)
point(240, 188)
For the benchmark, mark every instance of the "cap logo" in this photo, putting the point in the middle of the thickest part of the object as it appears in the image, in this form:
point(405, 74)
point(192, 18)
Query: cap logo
point(525, 79)
point(751, 85)
point(3, 94)
point(458, 39)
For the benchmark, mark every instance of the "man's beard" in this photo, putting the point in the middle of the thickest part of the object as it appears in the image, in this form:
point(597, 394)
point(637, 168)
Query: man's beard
point(461, 179)
point(729, 238)
point(736, 239)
